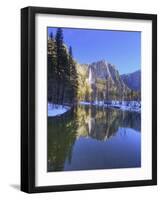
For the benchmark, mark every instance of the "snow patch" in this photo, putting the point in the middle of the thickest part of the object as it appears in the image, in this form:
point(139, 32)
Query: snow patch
point(85, 103)
point(56, 109)
point(122, 105)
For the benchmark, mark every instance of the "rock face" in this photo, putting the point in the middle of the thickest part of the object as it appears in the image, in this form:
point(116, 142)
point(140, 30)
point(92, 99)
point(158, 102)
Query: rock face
point(133, 80)
point(103, 70)
point(105, 83)
point(100, 70)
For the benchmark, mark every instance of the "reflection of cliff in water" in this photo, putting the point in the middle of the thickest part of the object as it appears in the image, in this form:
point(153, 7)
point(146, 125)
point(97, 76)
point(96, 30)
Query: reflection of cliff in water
point(101, 123)
point(86, 122)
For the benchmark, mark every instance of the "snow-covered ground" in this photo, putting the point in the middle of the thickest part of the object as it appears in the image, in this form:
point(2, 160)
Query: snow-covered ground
point(96, 103)
point(123, 105)
point(127, 105)
point(56, 110)
point(85, 103)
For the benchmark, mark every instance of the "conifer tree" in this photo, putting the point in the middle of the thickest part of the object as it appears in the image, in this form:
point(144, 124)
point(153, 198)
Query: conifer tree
point(60, 67)
point(73, 76)
point(51, 69)
point(62, 73)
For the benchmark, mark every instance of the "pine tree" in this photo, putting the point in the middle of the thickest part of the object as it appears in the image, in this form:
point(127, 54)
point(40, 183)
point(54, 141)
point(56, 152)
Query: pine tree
point(51, 36)
point(60, 67)
point(51, 68)
point(62, 73)
point(73, 76)
point(65, 76)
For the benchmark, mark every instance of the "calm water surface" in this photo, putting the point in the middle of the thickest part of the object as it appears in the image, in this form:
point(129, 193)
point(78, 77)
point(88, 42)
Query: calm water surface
point(94, 138)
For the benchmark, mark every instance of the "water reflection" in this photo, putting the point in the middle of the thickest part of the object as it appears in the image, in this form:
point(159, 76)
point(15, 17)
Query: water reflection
point(112, 135)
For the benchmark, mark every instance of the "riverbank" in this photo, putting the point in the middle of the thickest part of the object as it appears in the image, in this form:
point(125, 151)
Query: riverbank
point(122, 105)
point(56, 109)
point(134, 106)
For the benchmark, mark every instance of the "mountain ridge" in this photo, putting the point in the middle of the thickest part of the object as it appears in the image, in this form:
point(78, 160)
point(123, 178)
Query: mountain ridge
point(106, 82)
point(133, 80)
point(107, 69)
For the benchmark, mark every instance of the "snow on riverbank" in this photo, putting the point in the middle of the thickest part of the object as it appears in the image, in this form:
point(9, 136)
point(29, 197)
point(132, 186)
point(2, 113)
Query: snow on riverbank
point(56, 110)
point(96, 103)
point(127, 105)
point(122, 105)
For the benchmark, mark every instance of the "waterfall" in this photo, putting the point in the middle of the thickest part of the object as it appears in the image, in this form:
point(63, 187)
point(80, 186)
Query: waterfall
point(90, 76)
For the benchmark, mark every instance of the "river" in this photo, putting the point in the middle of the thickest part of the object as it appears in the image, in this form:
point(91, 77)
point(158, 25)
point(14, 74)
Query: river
point(90, 137)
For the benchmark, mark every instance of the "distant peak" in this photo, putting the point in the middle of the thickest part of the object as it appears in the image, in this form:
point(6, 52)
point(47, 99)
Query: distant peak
point(130, 73)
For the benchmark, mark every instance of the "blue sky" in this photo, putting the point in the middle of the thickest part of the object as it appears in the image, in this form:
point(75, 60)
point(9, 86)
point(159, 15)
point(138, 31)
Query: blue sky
point(121, 48)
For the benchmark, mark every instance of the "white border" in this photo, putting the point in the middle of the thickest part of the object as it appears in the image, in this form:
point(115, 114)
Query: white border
point(94, 176)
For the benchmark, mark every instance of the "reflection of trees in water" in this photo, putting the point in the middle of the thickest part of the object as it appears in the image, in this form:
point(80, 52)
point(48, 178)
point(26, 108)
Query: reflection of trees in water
point(131, 120)
point(61, 138)
point(94, 122)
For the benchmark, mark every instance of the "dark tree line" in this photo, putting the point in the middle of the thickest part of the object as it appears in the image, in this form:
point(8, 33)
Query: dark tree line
point(62, 73)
